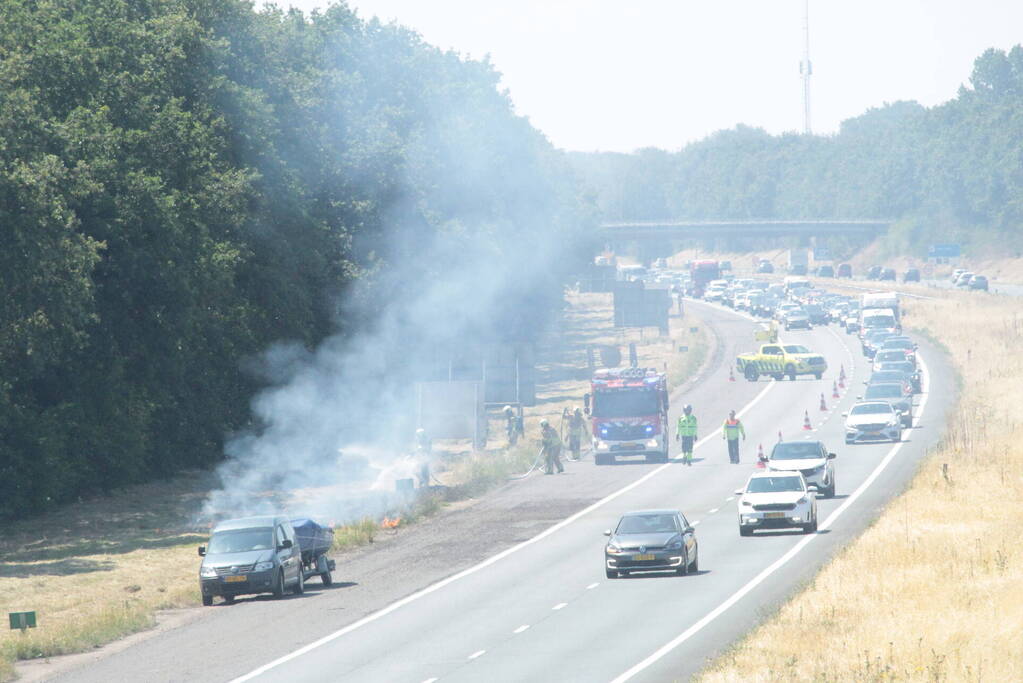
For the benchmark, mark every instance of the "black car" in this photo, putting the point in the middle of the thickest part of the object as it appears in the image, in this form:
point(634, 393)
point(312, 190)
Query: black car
point(886, 376)
point(651, 541)
point(911, 275)
point(826, 271)
point(906, 367)
point(894, 393)
point(872, 341)
point(816, 314)
point(874, 273)
point(765, 267)
point(844, 270)
point(887, 274)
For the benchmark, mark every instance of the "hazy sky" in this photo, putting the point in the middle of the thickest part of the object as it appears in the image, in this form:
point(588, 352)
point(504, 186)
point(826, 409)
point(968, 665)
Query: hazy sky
point(600, 75)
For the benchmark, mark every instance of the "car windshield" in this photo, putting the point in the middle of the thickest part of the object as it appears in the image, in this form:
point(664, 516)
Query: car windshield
point(240, 541)
point(887, 376)
point(889, 355)
point(796, 451)
point(897, 366)
point(774, 484)
point(879, 321)
point(796, 348)
point(897, 344)
point(647, 524)
point(884, 391)
point(634, 403)
point(871, 409)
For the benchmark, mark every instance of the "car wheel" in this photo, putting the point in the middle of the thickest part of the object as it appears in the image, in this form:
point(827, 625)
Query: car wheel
point(278, 589)
point(299, 586)
point(811, 527)
point(830, 491)
point(790, 370)
point(683, 568)
point(751, 373)
point(818, 375)
point(229, 599)
point(778, 377)
point(694, 568)
point(611, 573)
point(207, 600)
point(326, 578)
point(745, 531)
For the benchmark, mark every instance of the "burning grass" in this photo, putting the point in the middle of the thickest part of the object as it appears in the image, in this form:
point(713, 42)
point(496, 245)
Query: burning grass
point(931, 590)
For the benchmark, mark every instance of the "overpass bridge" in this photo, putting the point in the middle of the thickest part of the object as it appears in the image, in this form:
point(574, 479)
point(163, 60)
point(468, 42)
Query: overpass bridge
point(671, 229)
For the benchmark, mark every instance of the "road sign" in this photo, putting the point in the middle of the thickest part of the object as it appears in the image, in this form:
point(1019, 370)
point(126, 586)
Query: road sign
point(22, 620)
point(936, 251)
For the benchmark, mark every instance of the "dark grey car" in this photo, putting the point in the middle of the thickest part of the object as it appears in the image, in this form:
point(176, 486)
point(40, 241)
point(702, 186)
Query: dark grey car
point(894, 393)
point(251, 555)
point(651, 540)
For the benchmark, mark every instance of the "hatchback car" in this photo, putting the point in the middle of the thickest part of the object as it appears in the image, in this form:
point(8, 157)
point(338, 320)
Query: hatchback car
point(651, 540)
point(776, 500)
point(872, 421)
point(809, 458)
point(816, 313)
point(888, 355)
point(887, 274)
point(872, 340)
point(886, 376)
point(874, 273)
point(904, 344)
point(894, 393)
point(964, 279)
point(911, 275)
point(844, 270)
point(765, 267)
point(978, 282)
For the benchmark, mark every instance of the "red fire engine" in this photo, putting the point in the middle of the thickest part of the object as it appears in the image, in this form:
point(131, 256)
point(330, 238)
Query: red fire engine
point(628, 409)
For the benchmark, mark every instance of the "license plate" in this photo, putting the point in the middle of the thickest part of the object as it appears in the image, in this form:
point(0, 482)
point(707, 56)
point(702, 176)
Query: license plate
point(774, 515)
point(629, 446)
point(234, 578)
point(641, 558)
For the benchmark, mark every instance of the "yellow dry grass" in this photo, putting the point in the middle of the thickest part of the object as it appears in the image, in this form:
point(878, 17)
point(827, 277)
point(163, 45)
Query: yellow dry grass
point(931, 591)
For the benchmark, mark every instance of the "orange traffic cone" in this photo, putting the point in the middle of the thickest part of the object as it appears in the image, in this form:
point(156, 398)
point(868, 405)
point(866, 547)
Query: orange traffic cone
point(731, 375)
point(824, 406)
point(834, 390)
point(806, 421)
point(761, 460)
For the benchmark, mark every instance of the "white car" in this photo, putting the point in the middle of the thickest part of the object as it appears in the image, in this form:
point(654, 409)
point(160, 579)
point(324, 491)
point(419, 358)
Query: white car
point(809, 458)
point(777, 500)
point(873, 421)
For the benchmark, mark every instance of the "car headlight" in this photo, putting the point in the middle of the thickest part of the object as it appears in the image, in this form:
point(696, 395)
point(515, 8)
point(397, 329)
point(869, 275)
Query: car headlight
point(207, 572)
point(612, 548)
point(894, 422)
point(652, 443)
point(802, 500)
point(263, 566)
point(601, 445)
point(675, 545)
point(745, 503)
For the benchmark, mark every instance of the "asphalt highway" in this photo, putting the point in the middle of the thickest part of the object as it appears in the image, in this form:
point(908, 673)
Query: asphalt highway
point(541, 609)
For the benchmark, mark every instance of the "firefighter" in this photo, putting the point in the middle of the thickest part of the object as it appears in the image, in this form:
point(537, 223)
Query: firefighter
point(730, 432)
point(423, 449)
point(512, 425)
point(576, 427)
point(686, 433)
point(551, 447)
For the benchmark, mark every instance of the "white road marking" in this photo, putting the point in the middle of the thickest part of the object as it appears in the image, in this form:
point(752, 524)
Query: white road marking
point(430, 680)
point(714, 510)
point(729, 499)
point(560, 605)
point(780, 562)
point(592, 586)
point(478, 653)
point(694, 523)
point(493, 559)
point(520, 629)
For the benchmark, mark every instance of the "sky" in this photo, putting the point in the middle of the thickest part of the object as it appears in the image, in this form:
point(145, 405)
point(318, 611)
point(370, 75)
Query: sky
point(619, 76)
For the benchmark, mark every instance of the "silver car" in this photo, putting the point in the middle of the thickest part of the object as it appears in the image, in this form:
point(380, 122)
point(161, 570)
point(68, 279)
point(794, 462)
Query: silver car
point(873, 421)
point(809, 458)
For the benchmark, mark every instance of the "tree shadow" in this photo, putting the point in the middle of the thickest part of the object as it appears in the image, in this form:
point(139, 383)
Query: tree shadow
point(65, 567)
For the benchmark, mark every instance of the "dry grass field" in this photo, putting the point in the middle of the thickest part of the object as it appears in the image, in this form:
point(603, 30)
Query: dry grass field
point(100, 569)
point(932, 590)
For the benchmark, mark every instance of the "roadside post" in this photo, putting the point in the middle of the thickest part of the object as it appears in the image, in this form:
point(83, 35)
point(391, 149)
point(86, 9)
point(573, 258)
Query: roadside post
point(22, 620)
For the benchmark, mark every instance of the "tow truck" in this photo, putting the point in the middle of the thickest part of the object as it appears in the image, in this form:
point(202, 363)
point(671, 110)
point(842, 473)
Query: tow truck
point(778, 360)
point(628, 410)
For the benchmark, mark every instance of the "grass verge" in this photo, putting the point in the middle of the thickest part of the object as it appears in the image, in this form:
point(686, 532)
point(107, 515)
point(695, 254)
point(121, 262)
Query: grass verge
point(931, 590)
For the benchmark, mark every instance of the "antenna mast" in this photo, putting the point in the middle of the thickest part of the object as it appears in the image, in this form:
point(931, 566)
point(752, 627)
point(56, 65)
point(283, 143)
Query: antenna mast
point(805, 68)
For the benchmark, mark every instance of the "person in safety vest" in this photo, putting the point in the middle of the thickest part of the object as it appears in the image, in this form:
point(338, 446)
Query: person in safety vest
point(730, 432)
point(551, 447)
point(686, 433)
point(576, 427)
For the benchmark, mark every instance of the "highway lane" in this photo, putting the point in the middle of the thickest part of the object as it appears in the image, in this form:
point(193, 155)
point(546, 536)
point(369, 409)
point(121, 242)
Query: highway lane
point(546, 612)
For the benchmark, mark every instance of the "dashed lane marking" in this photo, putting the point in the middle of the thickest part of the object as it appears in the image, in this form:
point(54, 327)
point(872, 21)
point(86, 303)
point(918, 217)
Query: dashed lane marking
point(560, 605)
point(520, 629)
point(592, 586)
point(714, 510)
point(478, 653)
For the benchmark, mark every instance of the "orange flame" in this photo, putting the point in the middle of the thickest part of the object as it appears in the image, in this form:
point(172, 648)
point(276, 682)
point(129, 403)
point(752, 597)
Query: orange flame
point(390, 523)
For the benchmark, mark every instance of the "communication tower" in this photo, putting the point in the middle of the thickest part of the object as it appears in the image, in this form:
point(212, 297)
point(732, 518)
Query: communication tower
point(806, 68)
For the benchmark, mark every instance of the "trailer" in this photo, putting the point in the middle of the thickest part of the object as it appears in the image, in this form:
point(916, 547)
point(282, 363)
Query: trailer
point(315, 541)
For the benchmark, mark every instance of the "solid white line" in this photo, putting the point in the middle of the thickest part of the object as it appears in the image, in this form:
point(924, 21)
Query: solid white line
point(520, 629)
point(777, 564)
point(713, 511)
point(560, 605)
point(729, 499)
point(369, 618)
point(695, 523)
point(430, 680)
point(478, 653)
point(592, 586)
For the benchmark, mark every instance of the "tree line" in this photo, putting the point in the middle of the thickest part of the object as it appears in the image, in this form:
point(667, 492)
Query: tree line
point(948, 173)
point(186, 182)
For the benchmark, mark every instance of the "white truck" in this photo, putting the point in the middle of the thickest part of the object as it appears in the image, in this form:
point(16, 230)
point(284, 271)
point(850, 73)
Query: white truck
point(883, 300)
point(799, 262)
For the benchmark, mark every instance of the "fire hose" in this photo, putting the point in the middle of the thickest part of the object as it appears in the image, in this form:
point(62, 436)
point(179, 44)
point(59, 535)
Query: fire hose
point(536, 464)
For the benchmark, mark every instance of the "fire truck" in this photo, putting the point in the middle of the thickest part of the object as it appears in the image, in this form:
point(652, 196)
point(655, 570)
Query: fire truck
point(628, 410)
point(700, 273)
